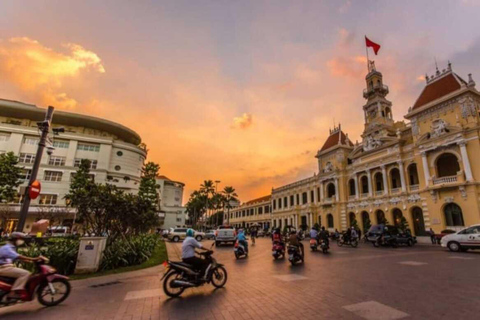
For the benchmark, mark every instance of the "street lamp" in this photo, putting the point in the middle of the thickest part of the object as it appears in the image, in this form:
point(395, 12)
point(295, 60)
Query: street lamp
point(216, 211)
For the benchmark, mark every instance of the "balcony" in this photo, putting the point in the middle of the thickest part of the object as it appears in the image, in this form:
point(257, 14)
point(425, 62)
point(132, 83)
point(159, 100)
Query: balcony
point(364, 195)
point(329, 200)
point(379, 193)
point(414, 187)
point(352, 197)
point(383, 89)
point(396, 190)
point(443, 180)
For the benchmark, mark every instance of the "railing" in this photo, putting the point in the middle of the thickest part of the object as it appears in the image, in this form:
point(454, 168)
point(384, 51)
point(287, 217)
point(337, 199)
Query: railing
point(379, 192)
point(442, 180)
point(364, 195)
point(396, 190)
point(368, 91)
point(414, 187)
point(329, 200)
point(353, 197)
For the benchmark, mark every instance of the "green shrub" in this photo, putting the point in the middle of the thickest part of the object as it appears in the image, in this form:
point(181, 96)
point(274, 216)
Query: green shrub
point(129, 251)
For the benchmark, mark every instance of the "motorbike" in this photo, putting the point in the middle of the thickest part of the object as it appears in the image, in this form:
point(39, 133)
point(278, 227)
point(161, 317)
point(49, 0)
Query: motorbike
point(240, 250)
point(350, 242)
point(385, 241)
point(49, 287)
point(278, 250)
point(180, 275)
point(313, 244)
point(294, 255)
point(324, 246)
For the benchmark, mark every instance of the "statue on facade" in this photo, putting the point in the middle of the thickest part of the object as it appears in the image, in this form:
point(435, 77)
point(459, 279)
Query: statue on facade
point(439, 127)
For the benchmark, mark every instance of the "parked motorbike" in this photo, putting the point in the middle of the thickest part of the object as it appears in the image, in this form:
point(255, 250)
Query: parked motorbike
point(240, 250)
point(294, 255)
point(278, 250)
point(180, 276)
point(49, 287)
point(349, 242)
point(313, 244)
point(324, 246)
point(385, 241)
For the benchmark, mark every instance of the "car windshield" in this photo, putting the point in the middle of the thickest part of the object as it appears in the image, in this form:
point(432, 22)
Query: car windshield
point(376, 228)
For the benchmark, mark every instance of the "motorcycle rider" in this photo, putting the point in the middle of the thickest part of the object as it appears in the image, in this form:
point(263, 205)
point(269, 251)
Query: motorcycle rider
point(347, 236)
point(295, 241)
point(242, 240)
point(8, 254)
point(314, 233)
point(353, 233)
point(324, 236)
point(188, 253)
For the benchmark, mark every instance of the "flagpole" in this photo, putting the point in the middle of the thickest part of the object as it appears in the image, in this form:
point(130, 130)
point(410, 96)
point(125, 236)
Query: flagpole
point(368, 59)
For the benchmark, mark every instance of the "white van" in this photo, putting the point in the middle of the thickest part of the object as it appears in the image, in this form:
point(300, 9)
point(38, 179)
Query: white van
point(59, 231)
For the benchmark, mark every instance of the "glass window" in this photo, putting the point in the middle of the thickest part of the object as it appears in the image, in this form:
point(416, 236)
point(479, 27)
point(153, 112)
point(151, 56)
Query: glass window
point(53, 176)
point(48, 199)
point(31, 141)
point(312, 196)
point(292, 201)
point(93, 163)
point(4, 137)
point(26, 158)
point(88, 147)
point(61, 144)
point(285, 202)
point(304, 198)
point(279, 203)
point(118, 168)
point(119, 153)
point(25, 174)
point(57, 161)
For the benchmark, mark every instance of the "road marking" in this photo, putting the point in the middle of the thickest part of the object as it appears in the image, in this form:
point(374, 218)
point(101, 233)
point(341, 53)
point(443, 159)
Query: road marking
point(373, 310)
point(413, 263)
point(142, 294)
point(462, 258)
point(290, 277)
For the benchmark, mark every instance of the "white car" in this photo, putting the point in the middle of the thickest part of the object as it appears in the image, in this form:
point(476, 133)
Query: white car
point(468, 238)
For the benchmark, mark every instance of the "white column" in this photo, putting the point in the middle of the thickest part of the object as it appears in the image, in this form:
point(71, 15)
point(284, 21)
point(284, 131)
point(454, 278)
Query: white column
point(369, 178)
point(356, 186)
point(385, 181)
point(466, 161)
point(311, 219)
point(402, 176)
point(321, 191)
point(426, 170)
point(337, 192)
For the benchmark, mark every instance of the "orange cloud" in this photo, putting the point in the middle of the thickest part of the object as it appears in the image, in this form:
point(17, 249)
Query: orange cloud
point(41, 71)
point(242, 122)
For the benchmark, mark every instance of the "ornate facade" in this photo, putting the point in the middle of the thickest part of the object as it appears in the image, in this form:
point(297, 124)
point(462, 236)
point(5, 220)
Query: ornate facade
point(423, 170)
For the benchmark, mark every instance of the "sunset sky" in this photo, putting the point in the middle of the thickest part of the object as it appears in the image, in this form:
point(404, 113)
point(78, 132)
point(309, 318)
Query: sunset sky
point(238, 91)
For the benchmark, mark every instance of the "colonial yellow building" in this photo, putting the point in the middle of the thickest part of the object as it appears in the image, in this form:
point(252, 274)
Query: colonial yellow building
point(426, 170)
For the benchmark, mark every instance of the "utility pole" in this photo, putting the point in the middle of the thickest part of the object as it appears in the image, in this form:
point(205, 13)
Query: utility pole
point(44, 127)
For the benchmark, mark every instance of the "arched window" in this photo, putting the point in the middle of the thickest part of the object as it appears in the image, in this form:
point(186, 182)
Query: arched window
point(330, 220)
point(397, 216)
point(364, 182)
point(388, 113)
point(453, 215)
point(447, 165)
point(412, 174)
point(378, 181)
point(330, 190)
point(380, 217)
point(366, 221)
point(395, 178)
point(418, 222)
point(351, 219)
point(351, 187)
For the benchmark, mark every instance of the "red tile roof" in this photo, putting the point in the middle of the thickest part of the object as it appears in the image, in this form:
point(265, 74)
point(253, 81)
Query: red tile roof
point(438, 88)
point(262, 199)
point(332, 140)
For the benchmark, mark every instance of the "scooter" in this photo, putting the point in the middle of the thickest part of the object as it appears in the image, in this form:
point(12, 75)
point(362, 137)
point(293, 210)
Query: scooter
point(324, 246)
point(180, 276)
point(294, 255)
point(240, 250)
point(49, 287)
point(313, 244)
point(385, 241)
point(278, 250)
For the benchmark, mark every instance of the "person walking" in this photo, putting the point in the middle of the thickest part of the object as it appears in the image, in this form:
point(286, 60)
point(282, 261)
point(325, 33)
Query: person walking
point(432, 236)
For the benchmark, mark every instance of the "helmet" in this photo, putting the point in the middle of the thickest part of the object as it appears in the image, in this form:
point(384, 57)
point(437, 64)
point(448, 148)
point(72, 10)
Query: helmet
point(293, 232)
point(18, 235)
point(323, 228)
point(190, 232)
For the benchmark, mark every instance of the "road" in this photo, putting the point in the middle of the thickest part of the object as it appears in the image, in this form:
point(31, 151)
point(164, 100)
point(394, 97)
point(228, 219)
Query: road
point(423, 282)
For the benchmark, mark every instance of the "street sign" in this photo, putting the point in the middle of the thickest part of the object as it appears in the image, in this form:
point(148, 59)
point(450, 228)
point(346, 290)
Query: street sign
point(35, 188)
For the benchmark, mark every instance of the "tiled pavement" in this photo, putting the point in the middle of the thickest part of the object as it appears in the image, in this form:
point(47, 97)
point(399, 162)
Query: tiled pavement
point(364, 283)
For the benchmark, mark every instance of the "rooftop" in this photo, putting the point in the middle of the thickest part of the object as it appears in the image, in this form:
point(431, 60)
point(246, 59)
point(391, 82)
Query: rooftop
point(336, 136)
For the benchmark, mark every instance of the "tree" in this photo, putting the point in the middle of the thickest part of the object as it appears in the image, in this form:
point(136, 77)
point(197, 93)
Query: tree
point(148, 189)
point(196, 207)
point(214, 218)
point(354, 224)
point(229, 196)
point(54, 214)
point(403, 225)
point(366, 225)
point(207, 189)
point(9, 177)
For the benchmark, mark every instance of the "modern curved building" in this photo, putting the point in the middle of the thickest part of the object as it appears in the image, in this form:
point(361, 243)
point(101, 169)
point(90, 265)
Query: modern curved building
point(115, 151)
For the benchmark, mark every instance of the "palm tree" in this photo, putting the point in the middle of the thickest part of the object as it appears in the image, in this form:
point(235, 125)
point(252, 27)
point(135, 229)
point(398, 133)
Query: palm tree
point(207, 189)
point(229, 196)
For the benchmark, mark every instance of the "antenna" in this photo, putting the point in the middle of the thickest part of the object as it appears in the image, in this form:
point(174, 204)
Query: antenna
point(436, 65)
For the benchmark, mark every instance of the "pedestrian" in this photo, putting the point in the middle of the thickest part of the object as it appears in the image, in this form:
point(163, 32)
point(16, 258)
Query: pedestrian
point(432, 236)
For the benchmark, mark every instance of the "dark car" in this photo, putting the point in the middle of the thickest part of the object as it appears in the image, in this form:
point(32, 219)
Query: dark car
point(400, 236)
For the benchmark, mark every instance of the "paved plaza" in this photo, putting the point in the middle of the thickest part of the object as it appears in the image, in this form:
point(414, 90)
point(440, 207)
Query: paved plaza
point(423, 282)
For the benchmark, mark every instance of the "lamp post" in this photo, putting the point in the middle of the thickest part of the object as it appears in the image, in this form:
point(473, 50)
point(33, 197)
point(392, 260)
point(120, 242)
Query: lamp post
point(44, 127)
